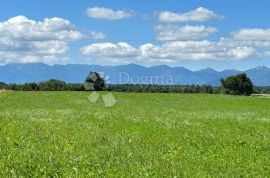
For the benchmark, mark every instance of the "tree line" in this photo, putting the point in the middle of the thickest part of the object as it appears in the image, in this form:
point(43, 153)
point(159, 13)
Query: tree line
point(57, 85)
point(50, 85)
point(145, 88)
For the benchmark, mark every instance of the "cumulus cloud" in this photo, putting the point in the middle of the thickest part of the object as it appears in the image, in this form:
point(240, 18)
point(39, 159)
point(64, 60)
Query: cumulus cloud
point(26, 40)
point(200, 14)
point(173, 32)
point(108, 14)
point(241, 52)
point(168, 52)
point(22, 29)
point(247, 41)
point(254, 43)
point(252, 34)
point(195, 50)
point(110, 50)
point(97, 35)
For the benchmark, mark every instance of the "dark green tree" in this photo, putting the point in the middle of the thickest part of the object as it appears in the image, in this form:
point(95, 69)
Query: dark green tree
point(237, 85)
point(53, 85)
point(3, 85)
point(94, 82)
point(30, 87)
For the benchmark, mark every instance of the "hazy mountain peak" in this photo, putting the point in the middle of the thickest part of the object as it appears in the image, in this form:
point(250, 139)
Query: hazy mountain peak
point(262, 68)
point(132, 65)
point(208, 70)
point(76, 73)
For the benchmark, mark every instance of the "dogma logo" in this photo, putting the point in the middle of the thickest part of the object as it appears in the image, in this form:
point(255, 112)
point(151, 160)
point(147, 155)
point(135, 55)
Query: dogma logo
point(108, 99)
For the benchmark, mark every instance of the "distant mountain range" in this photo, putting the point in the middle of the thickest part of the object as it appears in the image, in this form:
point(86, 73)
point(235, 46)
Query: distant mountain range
point(131, 73)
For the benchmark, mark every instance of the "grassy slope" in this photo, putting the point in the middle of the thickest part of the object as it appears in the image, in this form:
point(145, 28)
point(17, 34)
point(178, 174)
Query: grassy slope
point(62, 134)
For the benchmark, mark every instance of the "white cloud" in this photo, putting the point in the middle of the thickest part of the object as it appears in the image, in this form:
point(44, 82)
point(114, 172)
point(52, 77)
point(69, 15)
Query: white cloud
point(252, 34)
point(241, 52)
point(266, 53)
point(22, 29)
point(168, 52)
point(195, 50)
point(173, 32)
point(25, 40)
point(110, 50)
point(234, 43)
point(97, 35)
point(108, 14)
point(200, 14)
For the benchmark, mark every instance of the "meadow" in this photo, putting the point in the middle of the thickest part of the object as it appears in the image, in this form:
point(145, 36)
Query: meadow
point(62, 134)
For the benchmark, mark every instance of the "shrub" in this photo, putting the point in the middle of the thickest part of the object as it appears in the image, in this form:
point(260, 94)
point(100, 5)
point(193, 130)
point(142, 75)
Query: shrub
point(94, 82)
point(53, 85)
point(3, 85)
point(237, 85)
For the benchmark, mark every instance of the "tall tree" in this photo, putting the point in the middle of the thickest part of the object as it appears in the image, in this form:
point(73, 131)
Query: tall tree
point(3, 85)
point(94, 82)
point(237, 85)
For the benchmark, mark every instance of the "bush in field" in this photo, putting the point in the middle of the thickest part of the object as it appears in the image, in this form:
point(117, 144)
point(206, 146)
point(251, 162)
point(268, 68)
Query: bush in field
point(3, 85)
point(53, 85)
point(75, 87)
point(30, 87)
point(94, 82)
point(237, 85)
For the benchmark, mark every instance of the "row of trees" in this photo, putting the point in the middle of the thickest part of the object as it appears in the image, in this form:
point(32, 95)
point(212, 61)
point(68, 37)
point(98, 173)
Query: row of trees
point(163, 88)
point(51, 85)
point(261, 90)
point(56, 85)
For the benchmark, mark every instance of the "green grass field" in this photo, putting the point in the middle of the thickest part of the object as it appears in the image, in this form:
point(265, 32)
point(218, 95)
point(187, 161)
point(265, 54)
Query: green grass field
point(62, 134)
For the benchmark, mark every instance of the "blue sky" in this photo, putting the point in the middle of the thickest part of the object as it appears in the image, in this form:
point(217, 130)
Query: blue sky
point(195, 34)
